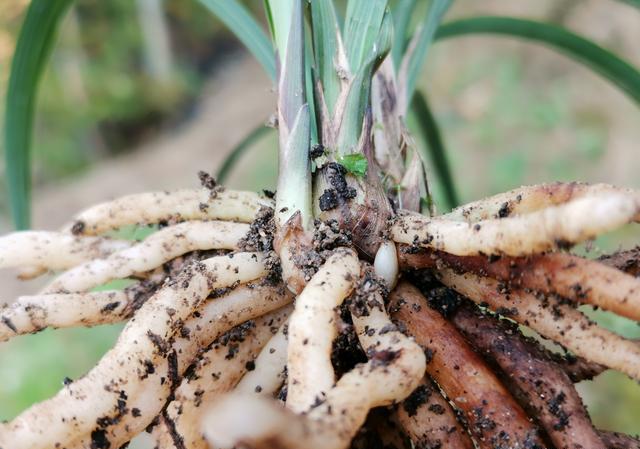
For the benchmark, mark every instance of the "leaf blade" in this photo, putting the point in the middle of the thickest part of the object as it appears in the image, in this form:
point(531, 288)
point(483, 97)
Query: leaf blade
point(413, 60)
point(361, 26)
point(246, 29)
point(325, 29)
point(428, 127)
point(615, 69)
point(401, 18)
point(31, 55)
point(238, 151)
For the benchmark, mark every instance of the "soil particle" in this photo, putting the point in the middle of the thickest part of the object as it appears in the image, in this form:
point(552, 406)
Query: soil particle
point(176, 438)
point(328, 200)
point(504, 210)
point(555, 408)
point(261, 232)
point(161, 345)
point(78, 227)
point(444, 300)
point(336, 176)
point(366, 294)
point(316, 151)
point(109, 307)
point(99, 439)
point(346, 351)
point(209, 182)
point(7, 322)
point(416, 399)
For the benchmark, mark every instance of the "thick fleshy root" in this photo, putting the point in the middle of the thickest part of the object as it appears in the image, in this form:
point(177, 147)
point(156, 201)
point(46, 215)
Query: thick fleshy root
point(467, 381)
point(155, 250)
point(312, 328)
point(542, 386)
point(572, 277)
point(216, 371)
point(551, 319)
point(54, 250)
point(527, 199)
point(429, 421)
point(269, 368)
point(520, 235)
point(168, 207)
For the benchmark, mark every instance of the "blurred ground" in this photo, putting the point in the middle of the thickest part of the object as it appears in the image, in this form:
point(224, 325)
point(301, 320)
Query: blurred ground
point(512, 113)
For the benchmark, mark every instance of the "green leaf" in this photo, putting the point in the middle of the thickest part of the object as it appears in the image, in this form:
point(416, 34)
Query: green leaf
point(414, 58)
point(29, 60)
point(239, 150)
point(279, 13)
point(362, 26)
point(401, 18)
point(428, 127)
point(356, 164)
point(358, 97)
point(613, 68)
point(246, 29)
point(309, 86)
point(325, 28)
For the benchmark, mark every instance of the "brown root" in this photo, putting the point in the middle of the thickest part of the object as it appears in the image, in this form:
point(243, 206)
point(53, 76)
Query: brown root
point(552, 319)
point(543, 388)
point(493, 416)
point(429, 420)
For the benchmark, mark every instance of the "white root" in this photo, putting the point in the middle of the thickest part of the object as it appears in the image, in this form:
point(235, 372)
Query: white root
point(155, 250)
point(270, 366)
point(551, 319)
point(556, 226)
point(386, 263)
point(216, 371)
point(122, 380)
point(179, 205)
point(529, 199)
point(395, 368)
point(54, 250)
point(207, 323)
point(312, 328)
point(255, 422)
point(30, 314)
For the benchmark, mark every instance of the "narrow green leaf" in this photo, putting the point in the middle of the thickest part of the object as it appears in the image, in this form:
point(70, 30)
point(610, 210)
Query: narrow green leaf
point(362, 26)
point(280, 13)
point(29, 60)
point(358, 97)
point(325, 28)
point(402, 13)
point(239, 150)
point(309, 86)
point(356, 164)
point(414, 58)
point(246, 29)
point(613, 68)
point(430, 131)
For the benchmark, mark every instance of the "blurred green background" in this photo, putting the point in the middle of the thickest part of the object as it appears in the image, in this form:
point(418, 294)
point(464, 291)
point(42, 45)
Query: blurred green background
point(129, 79)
